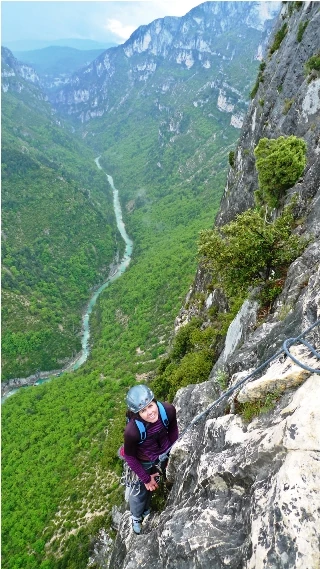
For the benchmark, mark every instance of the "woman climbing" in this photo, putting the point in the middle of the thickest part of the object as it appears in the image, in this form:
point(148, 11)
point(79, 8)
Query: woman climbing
point(151, 430)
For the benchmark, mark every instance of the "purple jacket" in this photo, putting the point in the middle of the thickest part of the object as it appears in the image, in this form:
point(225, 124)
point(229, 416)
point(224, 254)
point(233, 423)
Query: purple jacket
point(158, 440)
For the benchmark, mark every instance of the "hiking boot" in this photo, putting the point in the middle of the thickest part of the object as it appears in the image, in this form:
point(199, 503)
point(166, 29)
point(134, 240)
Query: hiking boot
point(146, 513)
point(136, 526)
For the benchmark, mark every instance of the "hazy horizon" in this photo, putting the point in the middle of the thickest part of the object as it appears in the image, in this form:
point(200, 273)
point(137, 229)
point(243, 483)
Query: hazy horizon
point(102, 22)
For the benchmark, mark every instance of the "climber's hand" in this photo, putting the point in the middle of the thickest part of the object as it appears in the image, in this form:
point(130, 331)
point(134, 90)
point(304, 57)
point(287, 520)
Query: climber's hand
point(153, 484)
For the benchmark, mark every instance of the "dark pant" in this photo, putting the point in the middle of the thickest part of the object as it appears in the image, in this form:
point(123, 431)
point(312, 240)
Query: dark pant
point(140, 497)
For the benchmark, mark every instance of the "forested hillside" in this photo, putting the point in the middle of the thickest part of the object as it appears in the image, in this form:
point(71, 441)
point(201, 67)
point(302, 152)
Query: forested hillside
point(58, 226)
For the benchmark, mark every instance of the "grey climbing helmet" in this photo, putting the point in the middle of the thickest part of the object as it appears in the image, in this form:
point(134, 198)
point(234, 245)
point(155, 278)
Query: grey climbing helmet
point(138, 397)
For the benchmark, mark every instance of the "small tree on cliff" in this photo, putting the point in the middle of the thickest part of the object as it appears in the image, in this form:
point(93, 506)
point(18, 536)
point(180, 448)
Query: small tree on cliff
point(249, 250)
point(280, 163)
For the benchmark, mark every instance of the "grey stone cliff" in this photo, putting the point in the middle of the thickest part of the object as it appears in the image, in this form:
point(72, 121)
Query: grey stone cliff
point(16, 76)
point(247, 495)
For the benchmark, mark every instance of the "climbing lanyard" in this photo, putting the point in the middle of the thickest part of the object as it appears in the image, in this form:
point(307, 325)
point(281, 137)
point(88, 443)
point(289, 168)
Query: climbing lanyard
point(285, 348)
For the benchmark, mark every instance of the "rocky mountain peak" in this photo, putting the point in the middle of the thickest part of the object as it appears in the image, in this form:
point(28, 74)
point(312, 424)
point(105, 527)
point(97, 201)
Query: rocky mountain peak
point(204, 38)
point(196, 29)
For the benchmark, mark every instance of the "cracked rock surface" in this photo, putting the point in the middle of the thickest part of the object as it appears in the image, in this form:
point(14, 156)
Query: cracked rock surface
point(243, 495)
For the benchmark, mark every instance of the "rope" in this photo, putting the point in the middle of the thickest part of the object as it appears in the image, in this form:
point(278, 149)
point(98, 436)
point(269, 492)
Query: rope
point(289, 342)
point(285, 348)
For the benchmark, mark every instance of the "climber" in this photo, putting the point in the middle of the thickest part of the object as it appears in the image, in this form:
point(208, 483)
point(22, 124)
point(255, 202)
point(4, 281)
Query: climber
point(151, 429)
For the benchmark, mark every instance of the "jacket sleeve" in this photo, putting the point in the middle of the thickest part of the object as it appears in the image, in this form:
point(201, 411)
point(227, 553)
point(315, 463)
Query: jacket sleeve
point(131, 440)
point(135, 465)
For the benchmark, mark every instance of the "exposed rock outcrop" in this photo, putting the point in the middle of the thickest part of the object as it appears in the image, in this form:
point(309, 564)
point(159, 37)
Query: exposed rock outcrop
point(287, 102)
point(17, 76)
point(247, 495)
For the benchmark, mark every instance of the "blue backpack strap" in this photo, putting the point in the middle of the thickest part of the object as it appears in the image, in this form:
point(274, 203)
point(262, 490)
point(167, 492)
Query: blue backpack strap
point(142, 430)
point(163, 414)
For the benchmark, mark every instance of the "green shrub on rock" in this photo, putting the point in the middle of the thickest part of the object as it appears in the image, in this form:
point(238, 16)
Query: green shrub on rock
point(301, 30)
point(190, 359)
point(278, 38)
point(259, 79)
point(249, 250)
point(312, 66)
point(231, 158)
point(280, 163)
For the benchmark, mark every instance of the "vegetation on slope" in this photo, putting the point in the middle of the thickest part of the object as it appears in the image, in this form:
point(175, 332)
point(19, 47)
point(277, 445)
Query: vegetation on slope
point(280, 163)
point(56, 477)
point(138, 311)
point(59, 236)
point(255, 249)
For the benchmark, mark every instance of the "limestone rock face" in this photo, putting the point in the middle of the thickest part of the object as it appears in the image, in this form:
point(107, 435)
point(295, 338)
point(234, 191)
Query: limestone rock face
point(282, 375)
point(270, 115)
point(17, 76)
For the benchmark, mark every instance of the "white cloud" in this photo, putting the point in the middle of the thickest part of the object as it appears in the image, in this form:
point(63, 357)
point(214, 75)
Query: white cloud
point(124, 16)
point(118, 29)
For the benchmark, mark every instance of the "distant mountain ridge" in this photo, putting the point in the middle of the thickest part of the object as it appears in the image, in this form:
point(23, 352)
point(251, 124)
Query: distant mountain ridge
point(173, 90)
point(82, 44)
point(12, 68)
point(55, 64)
point(205, 38)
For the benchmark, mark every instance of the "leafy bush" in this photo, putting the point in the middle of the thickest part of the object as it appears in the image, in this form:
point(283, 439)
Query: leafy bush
point(280, 162)
point(222, 379)
point(231, 158)
point(287, 105)
point(252, 409)
point(280, 35)
point(248, 250)
point(190, 359)
point(183, 341)
point(313, 64)
point(270, 291)
point(194, 368)
point(293, 6)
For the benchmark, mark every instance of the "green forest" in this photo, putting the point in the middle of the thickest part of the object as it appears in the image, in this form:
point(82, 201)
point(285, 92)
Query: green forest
point(59, 236)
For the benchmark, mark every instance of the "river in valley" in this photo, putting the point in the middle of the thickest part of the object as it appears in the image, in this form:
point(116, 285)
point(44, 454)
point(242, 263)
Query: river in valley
point(117, 271)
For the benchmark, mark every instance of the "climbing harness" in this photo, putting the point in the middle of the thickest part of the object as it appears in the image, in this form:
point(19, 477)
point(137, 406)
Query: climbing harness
point(285, 348)
point(130, 480)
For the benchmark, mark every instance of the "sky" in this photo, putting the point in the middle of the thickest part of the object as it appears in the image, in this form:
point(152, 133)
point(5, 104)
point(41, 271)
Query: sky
point(102, 21)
